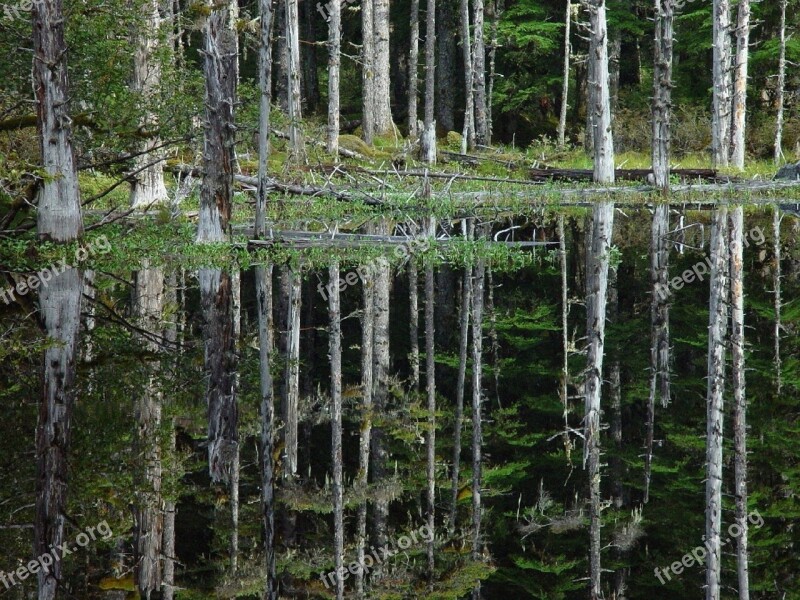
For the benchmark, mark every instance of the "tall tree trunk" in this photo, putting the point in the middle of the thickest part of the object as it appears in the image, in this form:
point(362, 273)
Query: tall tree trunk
point(368, 70)
point(264, 112)
point(778, 302)
point(292, 373)
point(308, 54)
point(296, 144)
point(714, 399)
point(413, 327)
point(413, 72)
point(468, 141)
point(739, 397)
point(477, 416)
point(479, 74)
point(662, 92)
point(282, 56)
point(721, 109)
point(565, 344)
point(361, 480)
point(596, 290)
point(780, 100)
point(446, 65)
point(496, 13)
point(428, 139)
point(562, 119)
point(430, 438)
point(148, 306)
point(600, 106)
point(147, 186)
point(659, 330)
point(383, 123)
point(236, 300)
point(335, 315)
point(739, 121)
point(334, 62)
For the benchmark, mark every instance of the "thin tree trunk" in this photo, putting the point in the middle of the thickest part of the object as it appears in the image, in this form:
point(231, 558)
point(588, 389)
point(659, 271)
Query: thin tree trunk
point(780, 100)
point(739, 396)
point(292, 377)
point(468, 140)
point(479, 75)
point(296, 143)
point(430, 438)
point(714, 400)
point(413, 327)
point(562, 119)
point(662, 92)
point(413, 75)
point(477, 417)
point(494, 343)
point(739, 120)
point(778, 302)
point(334, 63)
point(428, 139)
point(264, 112)
point(659, 331)
point(367, 355)
point(381, 65)
point(497, 11)
point(335, 314)
point(720, 113)
point(600, 106)
point(368, 70)
point(596, 291)
point(565, 306)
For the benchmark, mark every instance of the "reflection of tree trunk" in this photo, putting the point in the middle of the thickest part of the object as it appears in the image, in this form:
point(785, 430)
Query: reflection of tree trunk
point(413, 302)
point(292, 377)
point(659, 330)
point(335, 315)
point(60, 305)
point(477, 417)
point(367, 334)
point(739, 398)
point(778, 302)
point(148, 306)
point(596, 290)
point(494, 341)
point(716, 387)
point(430, 438)
point(565, 305)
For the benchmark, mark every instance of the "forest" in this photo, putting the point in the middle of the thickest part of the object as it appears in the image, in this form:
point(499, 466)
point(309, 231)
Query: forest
point(396, 299)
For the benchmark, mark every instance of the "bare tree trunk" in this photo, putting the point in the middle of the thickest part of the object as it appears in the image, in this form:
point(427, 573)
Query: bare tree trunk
point(367, 354)
point(168, 547)
point(565, 306)
point(659, 330)
point(468, 141)
point(778, 302)
point(335, 314)
point(716, 388)
point(292, 377)
point(662, 92)
point(428, 139)
point(739, 121)
point(334, 63)
point(562, 119)
point(264, 112)
point(281, 65)
point(596, 291)
point(739, 396)
point(148, 306)
point(413, 74)
point(466, 300)
point(720, 113)
point(780, 100)
point(265, 345)
point(497, 11)
point(368, 69)
point(600, 96)
point(413, 302)
point(147, 187)
point(296, 143)
point(479, 75)
point(381, 65)
point(477, 417)
point(430, 438)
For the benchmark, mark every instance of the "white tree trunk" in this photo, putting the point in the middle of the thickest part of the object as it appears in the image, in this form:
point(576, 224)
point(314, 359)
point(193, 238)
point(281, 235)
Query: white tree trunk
point(335, 315)
point(264, 111)
point(381, 64)
point(721, 109)
point(479, 74)
point(368, 69)
point(428, 140)
point(562, 118)
point(600, 105)
point(334, 62)
point(293, 72)
point(718, 312)
point(413, 322)
point(468, 141)
point(739, 122)
point(430, 438)
point(780, 100)
point(477, 416)
point(662, 92)
point(292, 372)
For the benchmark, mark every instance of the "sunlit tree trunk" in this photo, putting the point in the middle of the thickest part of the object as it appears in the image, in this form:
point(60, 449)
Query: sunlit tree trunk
point(662, 92)
point(468, 141)
point(717, 327)
point(428, 139)
point(497, 7)
point(739, 121)
point(565, 344)
point(781, 86)
point(600, 105)
point(368, 70)
point(477, 417)
point(334, 62)
point(479, 74)
point(562, 118)
point(721, 108)
point(383, 123)
point(596, 291)
point(292, 372)
point(296, 144)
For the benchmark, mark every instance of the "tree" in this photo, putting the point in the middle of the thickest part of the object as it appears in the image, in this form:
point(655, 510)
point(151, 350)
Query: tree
point(430, 438)
point(380, 63)
point(428, 139)
point(780, 100)
point(368, 70)
point(717, 328)
point(297, 146)
point(477, 416)
point(335, 315)
point(468, 141)
point(413, 76)
point(562, 119)
point(479, 75)
point(334, 62)
point(739, 120)
point(720, 111)
point(662, 93)
point(600, 99)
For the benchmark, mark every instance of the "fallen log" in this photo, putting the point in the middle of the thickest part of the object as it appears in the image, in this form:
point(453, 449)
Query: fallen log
point(686, 175)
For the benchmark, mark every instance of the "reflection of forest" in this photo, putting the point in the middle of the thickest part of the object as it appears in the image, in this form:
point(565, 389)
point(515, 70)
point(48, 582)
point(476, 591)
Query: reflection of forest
point(151, 345)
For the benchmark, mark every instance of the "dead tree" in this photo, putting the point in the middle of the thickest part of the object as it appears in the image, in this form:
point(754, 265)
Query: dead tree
point(335, 315)
point(430, 387)
point(293, 71)
point(468, 139)
point(428, 139)
point(334, 63)
point(413, 71)
point(413, 322)
point(291, 399)
point(721, 109)
point(562, 119)
point(781, 86)
point(777, 300)
point(662, 92)
point(739, 120)
point(479, 75)
point(477, 415)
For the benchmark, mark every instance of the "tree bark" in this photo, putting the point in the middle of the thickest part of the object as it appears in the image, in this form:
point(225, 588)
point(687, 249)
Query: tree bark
point(413, 327)
point(596, 291)
point(430, 438)
point(662, 92)
point(477, 417)
point(428, 139)
point(714, 399)
point(292, 372)
point(413, 71)
point(334, 62)
point(296, 143)
point(778, 302)
point(368, 70)
point(479, 75)
point(721, 109)
point(335, 315)
point(739, 121)
point(468, 138)
point(264, 112)
point(281, 65)
point(600, 105)
point(496, 13)
point(562, 119)
point(565, 344)
point(446, 65)
point(383, 124)
point(308, 54)
point(780, 100)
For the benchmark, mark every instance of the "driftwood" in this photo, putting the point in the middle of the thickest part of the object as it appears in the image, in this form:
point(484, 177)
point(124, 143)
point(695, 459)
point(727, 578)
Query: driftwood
point(686, 175)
